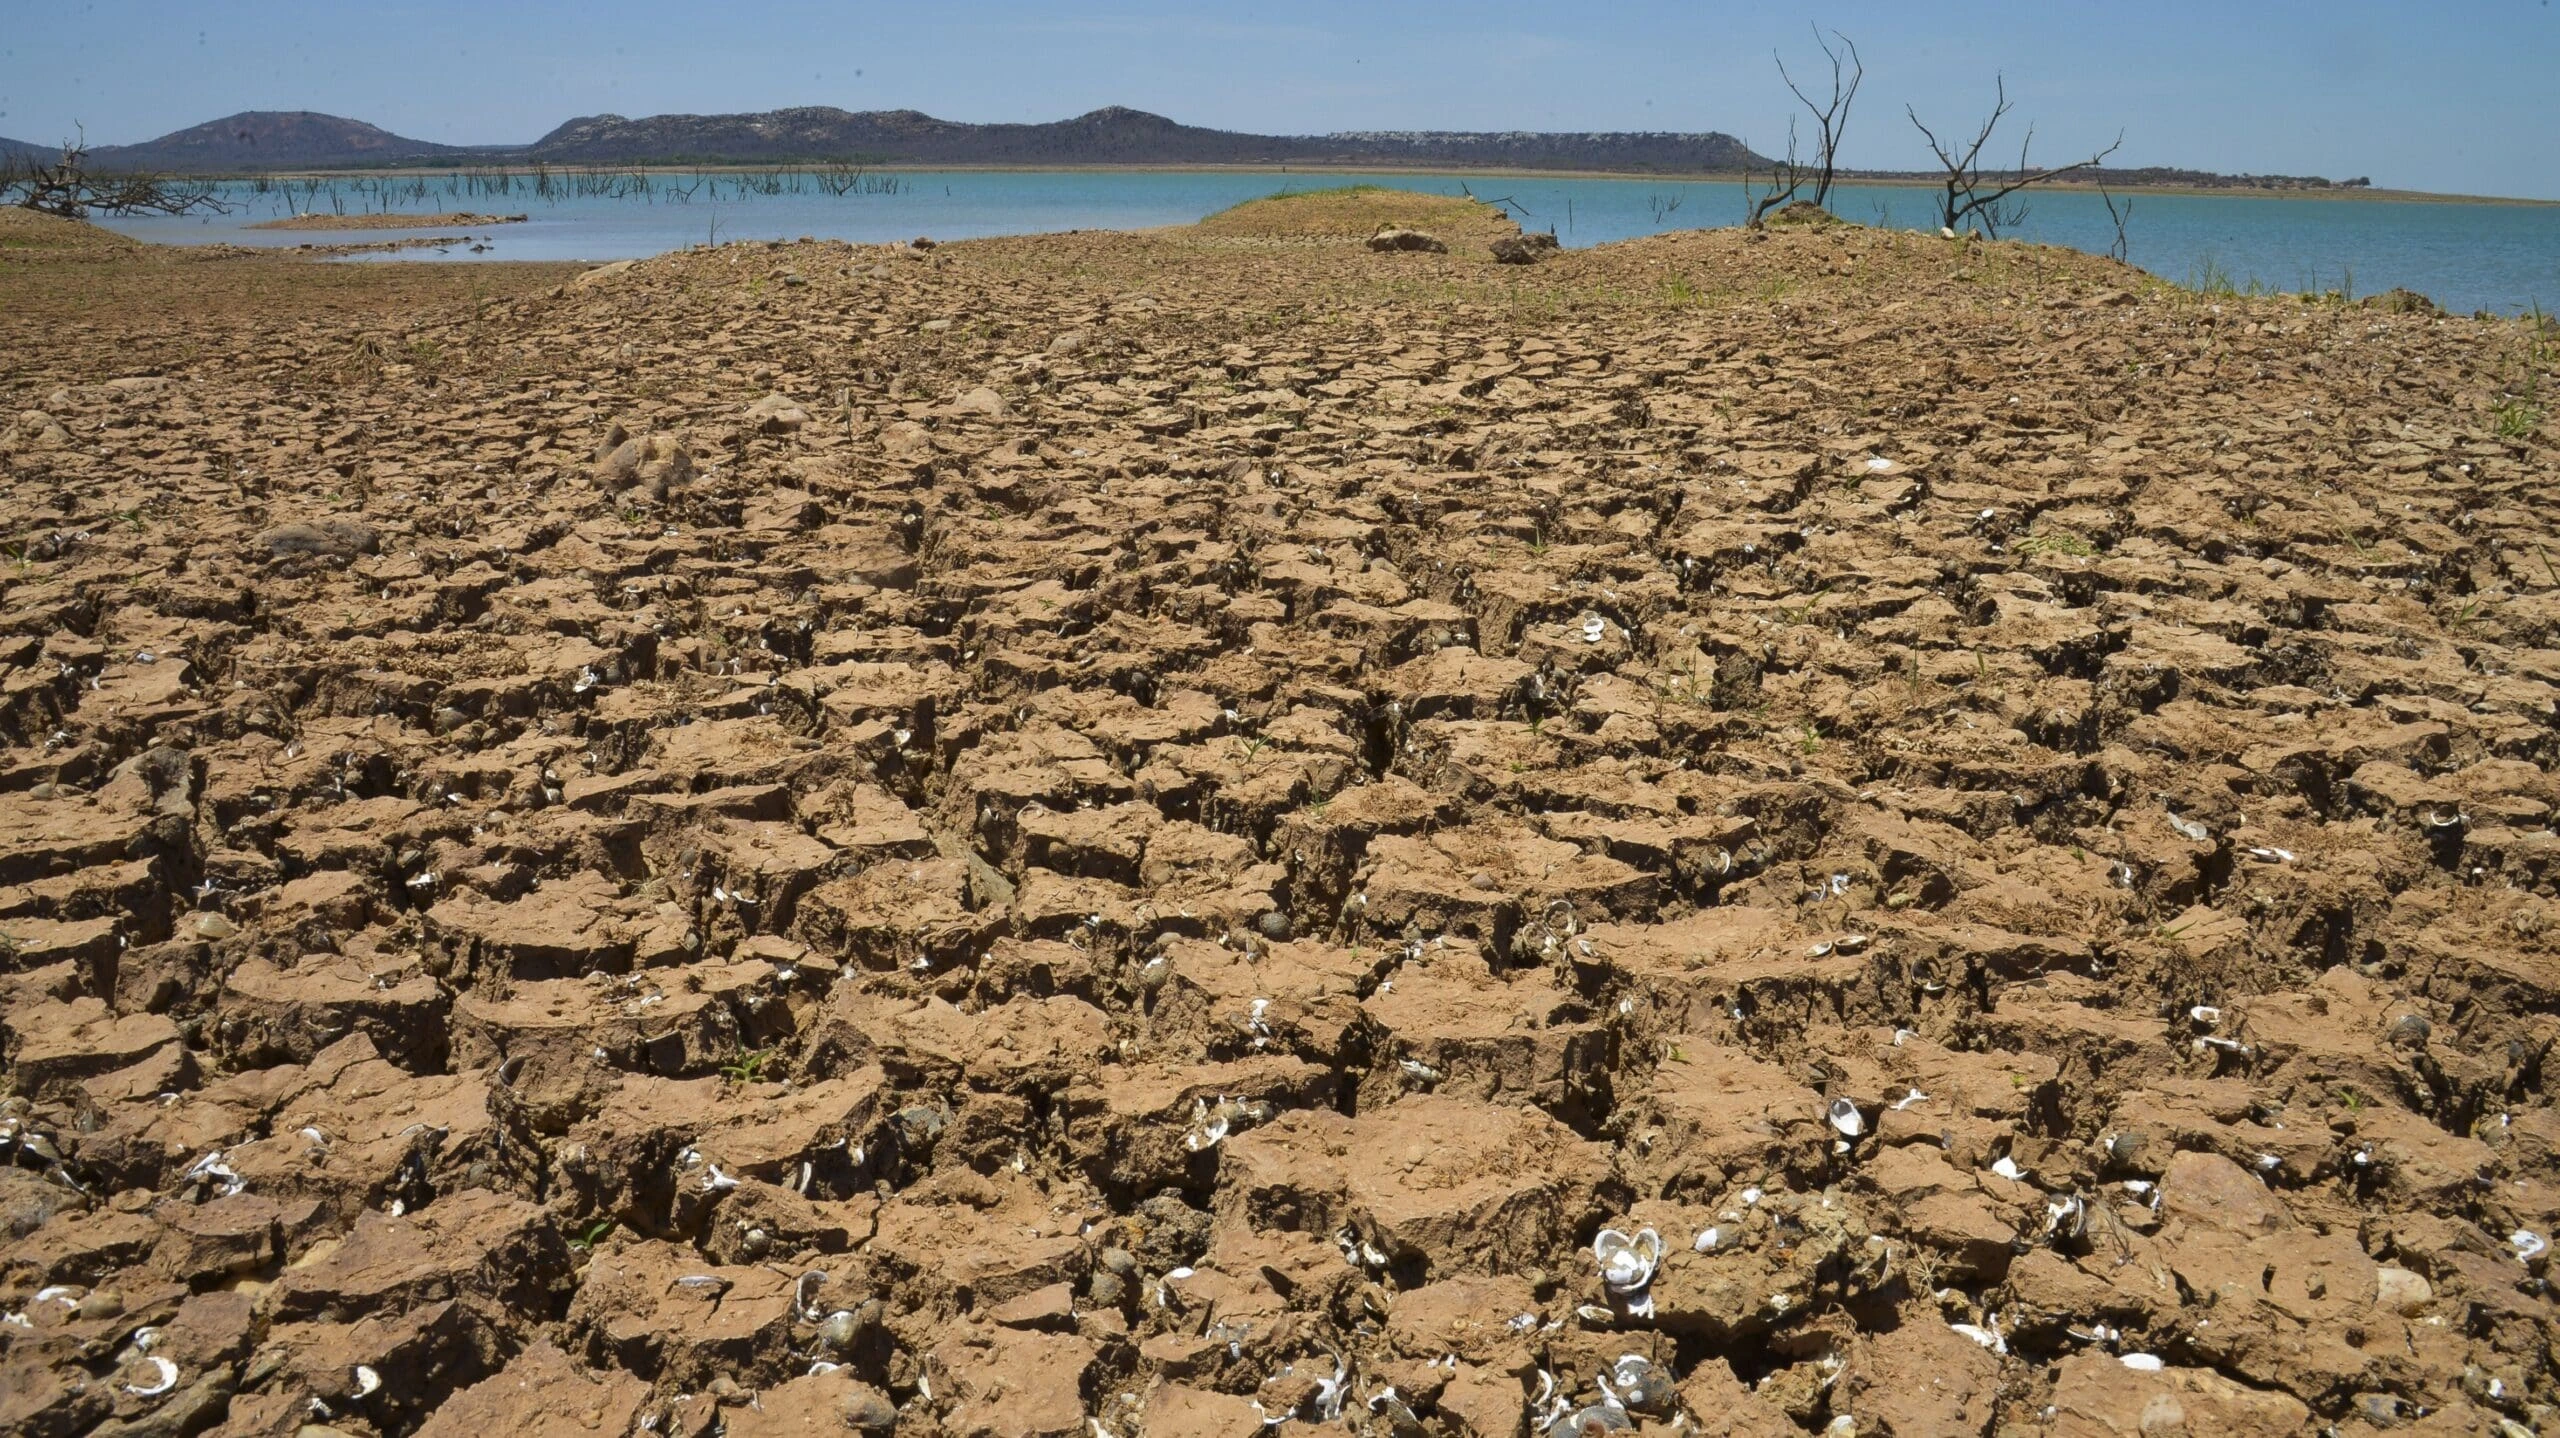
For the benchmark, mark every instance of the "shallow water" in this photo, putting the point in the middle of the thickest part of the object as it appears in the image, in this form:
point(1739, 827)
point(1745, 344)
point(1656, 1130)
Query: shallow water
point(2465, 256)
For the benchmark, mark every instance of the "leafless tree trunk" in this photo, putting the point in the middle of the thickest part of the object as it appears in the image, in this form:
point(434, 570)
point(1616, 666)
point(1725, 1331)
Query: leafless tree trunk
point(1974, 197)
point(2122, 215)
point(1785, 178)
point(1832, 116)
point(67, 187)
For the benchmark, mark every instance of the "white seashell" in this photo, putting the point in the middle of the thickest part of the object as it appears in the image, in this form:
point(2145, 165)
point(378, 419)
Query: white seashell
point(1706, 1240)
point(2007, 1167)
point(2205, 1014)
point(168, 1379)
point(2528, 1244)
point(1627, 1261)
point(1907, 1100)
point(1844, 1116)
point(2141, 1362)
point(368, 1382)
point(1750, 1196)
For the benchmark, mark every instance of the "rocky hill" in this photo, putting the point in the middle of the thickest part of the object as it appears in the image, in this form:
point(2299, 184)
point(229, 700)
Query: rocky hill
point(271, 140)
point(1113, 136)
point(274, 140)
point(304, 140)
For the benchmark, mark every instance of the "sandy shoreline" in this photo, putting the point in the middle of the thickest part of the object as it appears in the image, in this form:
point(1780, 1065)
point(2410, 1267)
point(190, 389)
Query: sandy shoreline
point(1809, 831)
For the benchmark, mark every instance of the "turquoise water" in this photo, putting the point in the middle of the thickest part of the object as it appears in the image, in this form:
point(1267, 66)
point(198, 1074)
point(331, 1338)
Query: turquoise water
point(2464, 256)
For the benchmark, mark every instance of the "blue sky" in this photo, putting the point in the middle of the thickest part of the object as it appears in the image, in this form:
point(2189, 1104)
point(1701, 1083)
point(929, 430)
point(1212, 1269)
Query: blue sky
point(2452, 95)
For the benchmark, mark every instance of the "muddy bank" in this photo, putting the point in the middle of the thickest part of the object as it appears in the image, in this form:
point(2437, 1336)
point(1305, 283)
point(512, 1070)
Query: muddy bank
point(1828, 832)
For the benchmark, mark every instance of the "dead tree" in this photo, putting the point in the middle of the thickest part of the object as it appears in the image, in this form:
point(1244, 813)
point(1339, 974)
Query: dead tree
point(69, 188)
point(1973, 199)
point(1785, 178)
point(1831, 117)
point(2122, 214)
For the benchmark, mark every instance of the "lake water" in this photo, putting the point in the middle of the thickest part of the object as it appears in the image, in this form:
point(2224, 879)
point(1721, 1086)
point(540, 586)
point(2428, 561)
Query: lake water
point(2465, 256)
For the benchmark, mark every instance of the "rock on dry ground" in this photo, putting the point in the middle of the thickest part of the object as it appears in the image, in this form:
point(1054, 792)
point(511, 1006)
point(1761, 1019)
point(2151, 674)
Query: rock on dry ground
point(1166, 834)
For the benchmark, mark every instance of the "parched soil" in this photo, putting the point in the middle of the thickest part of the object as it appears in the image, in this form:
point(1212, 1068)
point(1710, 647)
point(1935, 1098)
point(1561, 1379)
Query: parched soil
point(1825, 832)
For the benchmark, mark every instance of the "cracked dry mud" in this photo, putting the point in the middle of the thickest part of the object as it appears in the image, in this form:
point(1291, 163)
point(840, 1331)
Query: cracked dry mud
point(1164, 834)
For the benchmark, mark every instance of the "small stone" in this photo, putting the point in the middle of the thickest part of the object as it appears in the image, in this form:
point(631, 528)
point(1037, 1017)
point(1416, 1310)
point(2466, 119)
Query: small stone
point(868, 1410)
point(104, 1304)
point(1274, 924)
point(2410, 1031)
point(2125, 1150)
point(1396, 237)
point(2397, 1290)
point(1523, 249)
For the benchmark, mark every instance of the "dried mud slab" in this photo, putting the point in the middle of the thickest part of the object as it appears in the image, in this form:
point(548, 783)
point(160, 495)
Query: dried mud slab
point(1171, 834)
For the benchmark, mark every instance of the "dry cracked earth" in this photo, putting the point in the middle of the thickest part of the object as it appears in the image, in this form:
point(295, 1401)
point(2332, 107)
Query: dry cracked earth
point(1184, 833)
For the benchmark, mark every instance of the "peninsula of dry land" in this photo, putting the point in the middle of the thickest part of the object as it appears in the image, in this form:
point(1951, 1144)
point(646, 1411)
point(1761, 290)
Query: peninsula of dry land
point(385, 221)
point(1155, 834)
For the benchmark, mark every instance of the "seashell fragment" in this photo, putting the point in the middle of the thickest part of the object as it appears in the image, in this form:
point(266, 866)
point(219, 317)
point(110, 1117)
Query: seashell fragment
point(164, 1378)
point(1845, 1118)
point(1988, 1337)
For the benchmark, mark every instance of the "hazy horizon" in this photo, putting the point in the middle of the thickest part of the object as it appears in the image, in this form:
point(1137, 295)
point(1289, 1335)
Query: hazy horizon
point(2280, 88)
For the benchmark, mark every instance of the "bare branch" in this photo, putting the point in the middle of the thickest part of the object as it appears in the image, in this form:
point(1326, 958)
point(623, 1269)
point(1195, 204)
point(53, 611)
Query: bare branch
point(1831, 117)
point(1972, 198)
point(69, 188)
point(2122, 215)
point(1786, 177)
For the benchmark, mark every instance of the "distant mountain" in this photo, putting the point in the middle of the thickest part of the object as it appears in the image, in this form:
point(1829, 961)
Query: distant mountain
point(14, 150)
point(270, 140)
point(1113, 136)
point(274, 140)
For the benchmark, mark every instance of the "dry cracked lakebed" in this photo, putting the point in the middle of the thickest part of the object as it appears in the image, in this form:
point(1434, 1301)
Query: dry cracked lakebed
point(1176, 834)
